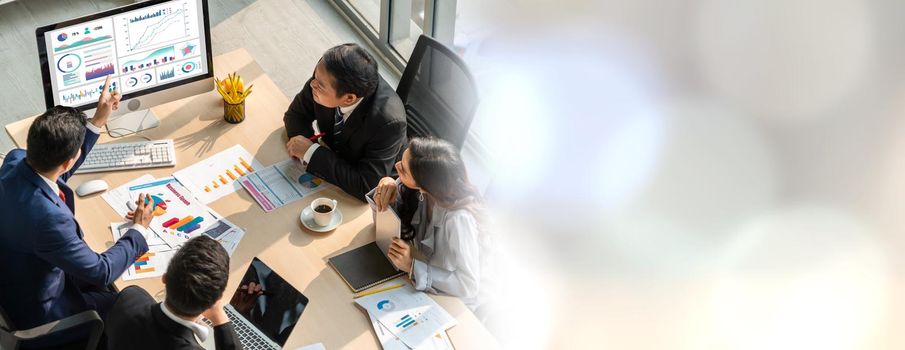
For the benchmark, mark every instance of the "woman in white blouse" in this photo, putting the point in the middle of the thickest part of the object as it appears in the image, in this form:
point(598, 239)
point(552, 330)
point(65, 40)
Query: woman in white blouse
point(443, 247)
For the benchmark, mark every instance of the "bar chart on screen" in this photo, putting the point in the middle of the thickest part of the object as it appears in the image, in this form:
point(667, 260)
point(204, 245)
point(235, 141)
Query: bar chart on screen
point(88, 93)
point(146, 60)
point(85, 65)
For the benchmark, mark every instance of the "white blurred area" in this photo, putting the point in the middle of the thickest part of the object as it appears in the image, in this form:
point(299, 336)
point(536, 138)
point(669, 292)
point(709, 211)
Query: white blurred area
point(697, 174)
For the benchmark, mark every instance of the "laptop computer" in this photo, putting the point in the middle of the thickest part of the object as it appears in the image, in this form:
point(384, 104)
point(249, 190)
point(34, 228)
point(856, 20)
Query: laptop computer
point(264, 320)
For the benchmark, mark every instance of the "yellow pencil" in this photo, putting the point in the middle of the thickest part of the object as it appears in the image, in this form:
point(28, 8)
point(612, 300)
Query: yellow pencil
point(359, 295)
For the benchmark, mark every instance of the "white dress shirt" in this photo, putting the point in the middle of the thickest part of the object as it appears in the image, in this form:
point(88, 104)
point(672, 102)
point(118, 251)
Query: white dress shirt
point(201, 332)
point(451, 255)
point(346, 111)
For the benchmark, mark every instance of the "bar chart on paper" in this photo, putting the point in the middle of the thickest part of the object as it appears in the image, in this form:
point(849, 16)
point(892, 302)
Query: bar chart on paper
point(216, 176)
point(151, 264)
point(178, 215)
point(409, 314)
point(187, 224)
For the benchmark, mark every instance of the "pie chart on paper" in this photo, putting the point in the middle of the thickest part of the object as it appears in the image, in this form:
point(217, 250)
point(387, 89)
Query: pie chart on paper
point(385, 305)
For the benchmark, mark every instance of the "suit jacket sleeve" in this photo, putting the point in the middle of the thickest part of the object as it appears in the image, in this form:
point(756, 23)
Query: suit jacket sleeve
point(131, 298)
point(360, 177)
point(90, 140)
point(57, 243)
point(300, 114)
point(225, 337)
point(14, 155)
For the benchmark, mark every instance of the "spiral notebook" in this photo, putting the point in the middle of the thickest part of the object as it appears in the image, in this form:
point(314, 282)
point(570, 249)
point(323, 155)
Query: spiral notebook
point(364, 267)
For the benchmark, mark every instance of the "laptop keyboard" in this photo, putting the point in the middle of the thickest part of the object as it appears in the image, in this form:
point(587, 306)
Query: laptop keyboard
point(247, 335)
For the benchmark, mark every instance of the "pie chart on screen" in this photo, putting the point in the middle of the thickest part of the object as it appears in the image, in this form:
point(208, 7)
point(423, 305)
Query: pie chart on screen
point(188, 67)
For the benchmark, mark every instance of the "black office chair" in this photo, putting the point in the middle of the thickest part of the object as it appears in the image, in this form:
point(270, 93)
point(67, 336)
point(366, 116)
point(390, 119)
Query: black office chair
point(11, 339)
point(438, 92)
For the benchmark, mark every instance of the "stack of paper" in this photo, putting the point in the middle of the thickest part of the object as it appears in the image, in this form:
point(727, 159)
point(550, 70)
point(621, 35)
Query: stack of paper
point(178, 214)
point(389, 341)
point(407, 316)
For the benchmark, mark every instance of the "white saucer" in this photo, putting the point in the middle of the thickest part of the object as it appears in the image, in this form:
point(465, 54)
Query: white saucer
point(307, 218)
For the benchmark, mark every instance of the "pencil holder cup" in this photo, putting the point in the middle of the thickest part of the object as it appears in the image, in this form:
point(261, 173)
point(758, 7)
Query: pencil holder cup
point(234, 113)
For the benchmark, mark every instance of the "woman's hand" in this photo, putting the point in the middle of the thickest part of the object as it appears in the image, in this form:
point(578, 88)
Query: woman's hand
point(385, 193)
point(400, 255)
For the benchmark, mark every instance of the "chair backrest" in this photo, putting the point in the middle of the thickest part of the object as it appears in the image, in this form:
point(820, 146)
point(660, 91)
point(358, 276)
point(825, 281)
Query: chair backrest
point(439, 93)
point(7, 339)
point(11, 338)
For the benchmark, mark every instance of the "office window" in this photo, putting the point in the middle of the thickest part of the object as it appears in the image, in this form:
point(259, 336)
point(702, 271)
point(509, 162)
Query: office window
point(393, 26)
point(406, 24)
point(369, 10)
point(395, 30)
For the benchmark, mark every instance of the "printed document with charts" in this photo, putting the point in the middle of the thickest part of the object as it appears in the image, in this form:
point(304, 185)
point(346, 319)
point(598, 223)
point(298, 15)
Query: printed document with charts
point(410, 315)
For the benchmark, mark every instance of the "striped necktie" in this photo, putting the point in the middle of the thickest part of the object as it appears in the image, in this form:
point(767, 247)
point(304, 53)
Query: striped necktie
point(337, 124)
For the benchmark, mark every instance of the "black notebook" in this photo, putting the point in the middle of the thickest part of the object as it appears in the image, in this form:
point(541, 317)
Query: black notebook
point(364, 267)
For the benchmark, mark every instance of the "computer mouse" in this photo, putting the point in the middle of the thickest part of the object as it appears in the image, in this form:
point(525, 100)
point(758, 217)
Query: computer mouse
point(131, 205)
point(90, 187)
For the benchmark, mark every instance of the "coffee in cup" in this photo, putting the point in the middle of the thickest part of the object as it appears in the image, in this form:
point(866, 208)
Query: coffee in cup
point(323, 210)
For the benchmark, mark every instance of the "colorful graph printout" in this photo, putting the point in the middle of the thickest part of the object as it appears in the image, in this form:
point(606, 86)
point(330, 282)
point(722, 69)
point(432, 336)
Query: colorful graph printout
point(178, 215)
point(410, 315)
point(153, 263)
point(216, 176)
point(280, 184)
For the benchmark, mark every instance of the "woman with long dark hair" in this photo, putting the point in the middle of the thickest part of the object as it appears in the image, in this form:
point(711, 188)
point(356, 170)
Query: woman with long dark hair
point(443, 247)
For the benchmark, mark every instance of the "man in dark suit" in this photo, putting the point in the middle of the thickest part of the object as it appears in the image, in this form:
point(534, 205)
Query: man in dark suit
point(361, 118)
point(195, 281)
point(47, 271)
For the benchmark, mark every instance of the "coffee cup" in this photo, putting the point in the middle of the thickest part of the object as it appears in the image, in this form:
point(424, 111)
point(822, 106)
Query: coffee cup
point(323, 210)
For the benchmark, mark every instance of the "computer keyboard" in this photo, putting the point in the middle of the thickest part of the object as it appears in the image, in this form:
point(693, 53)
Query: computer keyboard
point(132, 155)
point(251, 338)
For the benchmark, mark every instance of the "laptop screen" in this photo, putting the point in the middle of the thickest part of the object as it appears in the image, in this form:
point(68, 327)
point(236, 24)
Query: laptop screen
point(274, 306)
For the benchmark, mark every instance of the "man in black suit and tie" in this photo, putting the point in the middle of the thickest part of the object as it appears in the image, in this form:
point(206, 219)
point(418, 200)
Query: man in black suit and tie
point(195, 281)
point(361, 118)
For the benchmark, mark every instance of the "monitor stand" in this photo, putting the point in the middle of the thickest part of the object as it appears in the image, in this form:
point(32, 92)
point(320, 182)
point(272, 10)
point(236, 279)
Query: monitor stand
point(132, 122)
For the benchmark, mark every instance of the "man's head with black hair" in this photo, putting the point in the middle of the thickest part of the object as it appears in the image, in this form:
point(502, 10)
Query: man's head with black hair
point(55, 139)
point(196, 277)
point(344, 74)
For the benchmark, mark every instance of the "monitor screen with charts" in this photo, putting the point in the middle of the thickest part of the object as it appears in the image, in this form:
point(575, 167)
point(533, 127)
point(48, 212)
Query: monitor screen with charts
point(145, 47)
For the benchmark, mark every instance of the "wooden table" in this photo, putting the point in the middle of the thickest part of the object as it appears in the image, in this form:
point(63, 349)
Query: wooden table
point(196, 125)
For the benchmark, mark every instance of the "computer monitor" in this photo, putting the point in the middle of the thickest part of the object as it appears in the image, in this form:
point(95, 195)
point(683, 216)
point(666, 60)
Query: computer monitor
point(156, 51)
